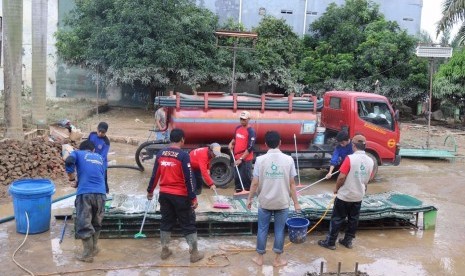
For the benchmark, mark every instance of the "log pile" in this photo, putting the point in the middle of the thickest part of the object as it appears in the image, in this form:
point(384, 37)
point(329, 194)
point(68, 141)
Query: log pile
point(36, 158)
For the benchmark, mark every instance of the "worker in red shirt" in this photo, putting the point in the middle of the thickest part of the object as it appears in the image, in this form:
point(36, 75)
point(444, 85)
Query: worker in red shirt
point(200, 162)
point(172, 171)
point(242, 146)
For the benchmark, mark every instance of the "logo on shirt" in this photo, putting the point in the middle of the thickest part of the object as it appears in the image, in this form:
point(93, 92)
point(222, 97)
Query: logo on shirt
point(170, 153)
point(273, 172)
point(167, 164)
point(362, 171)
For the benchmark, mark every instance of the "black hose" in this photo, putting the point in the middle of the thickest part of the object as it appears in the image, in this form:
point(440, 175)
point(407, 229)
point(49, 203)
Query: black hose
point(125, 167)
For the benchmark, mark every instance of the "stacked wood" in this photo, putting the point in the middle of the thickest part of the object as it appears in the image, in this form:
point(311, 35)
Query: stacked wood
point(36, 158)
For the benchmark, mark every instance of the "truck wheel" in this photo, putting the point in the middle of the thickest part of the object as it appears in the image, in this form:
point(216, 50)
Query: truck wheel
point(221, 170)
point(146, 153)
point(375, 165)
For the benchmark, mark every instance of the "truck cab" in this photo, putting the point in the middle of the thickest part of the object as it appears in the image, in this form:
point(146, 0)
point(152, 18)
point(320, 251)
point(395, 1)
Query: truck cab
point(368, 114)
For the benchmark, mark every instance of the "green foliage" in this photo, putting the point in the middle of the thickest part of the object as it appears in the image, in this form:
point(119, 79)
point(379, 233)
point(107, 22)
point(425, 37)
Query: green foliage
point(153, 42)
point(449, 82)
point(353, 47)
point(278, 51)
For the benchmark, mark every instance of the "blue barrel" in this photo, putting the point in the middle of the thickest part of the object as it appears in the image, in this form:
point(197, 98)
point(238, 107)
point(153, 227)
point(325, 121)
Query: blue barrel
point(297, 228)
point(34, 197)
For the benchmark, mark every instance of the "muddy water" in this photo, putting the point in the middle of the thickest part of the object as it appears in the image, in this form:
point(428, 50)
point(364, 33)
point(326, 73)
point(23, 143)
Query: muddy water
point(378, 252)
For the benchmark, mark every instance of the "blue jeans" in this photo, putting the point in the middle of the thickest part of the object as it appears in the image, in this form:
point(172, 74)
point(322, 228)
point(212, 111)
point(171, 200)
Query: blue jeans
point(264, 218)
point(162, 136)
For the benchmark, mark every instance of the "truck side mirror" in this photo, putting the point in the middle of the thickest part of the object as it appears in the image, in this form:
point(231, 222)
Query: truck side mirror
point(396, 115)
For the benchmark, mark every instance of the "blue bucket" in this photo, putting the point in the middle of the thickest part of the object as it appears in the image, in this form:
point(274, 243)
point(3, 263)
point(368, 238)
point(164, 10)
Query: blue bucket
point(33, 196)
point(297, 229)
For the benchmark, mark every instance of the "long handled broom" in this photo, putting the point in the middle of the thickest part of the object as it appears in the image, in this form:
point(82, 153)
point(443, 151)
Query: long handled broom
point(316, 182)
point(219, 204)
point(244, 193)
point(140, 235)
point(297, 158)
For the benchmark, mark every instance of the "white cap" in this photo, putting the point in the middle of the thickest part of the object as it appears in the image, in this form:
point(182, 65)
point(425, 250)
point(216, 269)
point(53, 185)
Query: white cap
point(216, 148)
point(245, 115)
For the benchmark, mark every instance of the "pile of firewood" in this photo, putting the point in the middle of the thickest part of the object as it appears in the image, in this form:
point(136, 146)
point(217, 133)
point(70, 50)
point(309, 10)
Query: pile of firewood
point(36, 158)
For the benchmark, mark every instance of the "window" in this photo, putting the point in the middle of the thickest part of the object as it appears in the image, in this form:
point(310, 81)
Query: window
point(377, 113)
point(335, 103)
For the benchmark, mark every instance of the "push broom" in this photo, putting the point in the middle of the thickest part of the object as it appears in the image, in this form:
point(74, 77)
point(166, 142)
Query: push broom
point(244, 193)
point(140, 235)
point(220, 204)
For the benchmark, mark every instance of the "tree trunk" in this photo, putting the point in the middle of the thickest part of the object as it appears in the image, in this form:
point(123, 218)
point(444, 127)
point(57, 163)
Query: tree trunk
point(12, 71)
point(39, 62)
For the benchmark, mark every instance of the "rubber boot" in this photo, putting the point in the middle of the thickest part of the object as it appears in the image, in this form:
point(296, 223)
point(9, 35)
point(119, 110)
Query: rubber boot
point(347, 242)
point(193, 250)
point(95, 238)
point(88, 245)
point(165, 240)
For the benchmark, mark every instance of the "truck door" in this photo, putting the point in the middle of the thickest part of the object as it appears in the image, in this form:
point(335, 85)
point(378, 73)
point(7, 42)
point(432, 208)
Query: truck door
point(335, 114)
point(375, 119)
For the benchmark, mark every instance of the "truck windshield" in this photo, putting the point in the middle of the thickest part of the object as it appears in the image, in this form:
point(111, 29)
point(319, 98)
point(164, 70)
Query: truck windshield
point(377, 113)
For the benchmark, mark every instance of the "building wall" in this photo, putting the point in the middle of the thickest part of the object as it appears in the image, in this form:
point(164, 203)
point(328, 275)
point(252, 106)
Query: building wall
point(299, 14)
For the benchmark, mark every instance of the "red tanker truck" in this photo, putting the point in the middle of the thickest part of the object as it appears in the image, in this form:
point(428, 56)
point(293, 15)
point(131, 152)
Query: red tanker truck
point(307, 126)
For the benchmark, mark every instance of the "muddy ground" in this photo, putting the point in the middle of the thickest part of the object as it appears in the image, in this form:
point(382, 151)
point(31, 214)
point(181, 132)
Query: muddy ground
point(407, 251)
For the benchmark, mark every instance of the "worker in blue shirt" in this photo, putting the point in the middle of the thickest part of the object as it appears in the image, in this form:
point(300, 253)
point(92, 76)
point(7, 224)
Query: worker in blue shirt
point(102, 146)
point(343, 149)
point(86, 172)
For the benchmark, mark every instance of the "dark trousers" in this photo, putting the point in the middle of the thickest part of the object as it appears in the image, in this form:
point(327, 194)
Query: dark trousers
point(198, 181)
point(107, 188)
point(341, 211)
point(176, 209)
point(245, 170)
point(89, 214)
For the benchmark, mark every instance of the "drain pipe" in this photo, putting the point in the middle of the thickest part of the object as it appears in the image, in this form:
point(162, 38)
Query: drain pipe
point(3, 220)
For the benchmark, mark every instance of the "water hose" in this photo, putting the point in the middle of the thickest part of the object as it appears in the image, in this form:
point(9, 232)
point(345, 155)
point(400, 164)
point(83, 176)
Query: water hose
point(251, 102)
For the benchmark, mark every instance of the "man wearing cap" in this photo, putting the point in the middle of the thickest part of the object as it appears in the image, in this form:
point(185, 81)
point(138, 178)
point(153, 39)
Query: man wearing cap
point(343, 149)
point(102, 146)
point(200, 164)
point(242, 147)
point(351, 186)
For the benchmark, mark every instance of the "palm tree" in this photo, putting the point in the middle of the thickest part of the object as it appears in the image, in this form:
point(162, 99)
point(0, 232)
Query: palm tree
point(39, 61)
point(12, 51)
point(453, 12)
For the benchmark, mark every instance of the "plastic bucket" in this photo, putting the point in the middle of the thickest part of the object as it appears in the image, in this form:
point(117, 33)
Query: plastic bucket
point(34, 197)
point(320, 136)
point(297, 228)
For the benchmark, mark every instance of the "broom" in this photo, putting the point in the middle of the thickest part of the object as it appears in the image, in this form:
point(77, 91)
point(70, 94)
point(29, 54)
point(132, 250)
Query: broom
point(140, 235)
point(220, 204)
point(244, 193)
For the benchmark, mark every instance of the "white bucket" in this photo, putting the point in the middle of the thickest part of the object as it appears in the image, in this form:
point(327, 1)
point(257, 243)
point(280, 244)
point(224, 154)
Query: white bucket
point(320, 136)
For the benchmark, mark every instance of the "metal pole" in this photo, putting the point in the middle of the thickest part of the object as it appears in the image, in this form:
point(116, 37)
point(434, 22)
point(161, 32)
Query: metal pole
point(97, 93)
point(430, 100)
point(234, 68)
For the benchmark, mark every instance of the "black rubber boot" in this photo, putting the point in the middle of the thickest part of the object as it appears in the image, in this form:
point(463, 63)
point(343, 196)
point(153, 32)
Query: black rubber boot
point(326, 244)
point(347, 242)
point(86, 256)
point(165, 238)
point(95, 238)
point(193, 250)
